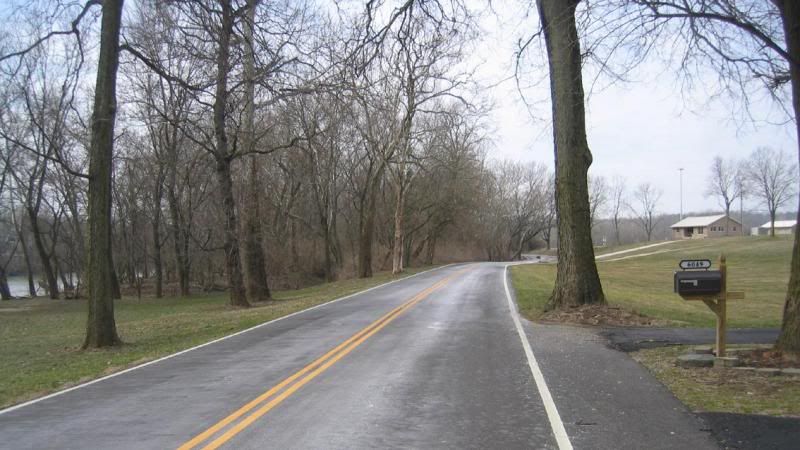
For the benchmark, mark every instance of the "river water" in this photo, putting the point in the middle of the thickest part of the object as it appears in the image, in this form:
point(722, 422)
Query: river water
point(19, 285)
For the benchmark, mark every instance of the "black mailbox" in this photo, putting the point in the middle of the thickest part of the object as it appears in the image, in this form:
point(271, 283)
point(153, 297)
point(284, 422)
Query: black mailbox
point(698, 282)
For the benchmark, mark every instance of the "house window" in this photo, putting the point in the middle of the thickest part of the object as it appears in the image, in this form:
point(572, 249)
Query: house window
point(700, 230)
point(734, 228)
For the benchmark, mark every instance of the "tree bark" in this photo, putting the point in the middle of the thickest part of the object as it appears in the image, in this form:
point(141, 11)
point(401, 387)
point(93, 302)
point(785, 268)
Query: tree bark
point(789, 338)
point(772, 214)
point(367, 229)
point(101, 329)
point(157, 263)
point(329, 276)
point(397, 249)
point(430, 250)
point(177, 227)
point(223, 161)
point(233, 265)
point(577, 281)
point(255, 260)
point(38, 240)
point(5, 292)
point(25, 256)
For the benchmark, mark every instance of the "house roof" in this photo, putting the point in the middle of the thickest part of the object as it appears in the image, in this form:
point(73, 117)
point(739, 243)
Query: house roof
point(701, 221)
point(780, 224)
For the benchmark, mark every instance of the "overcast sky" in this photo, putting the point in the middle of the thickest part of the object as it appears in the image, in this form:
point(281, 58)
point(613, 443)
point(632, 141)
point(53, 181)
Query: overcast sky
point(645, 130)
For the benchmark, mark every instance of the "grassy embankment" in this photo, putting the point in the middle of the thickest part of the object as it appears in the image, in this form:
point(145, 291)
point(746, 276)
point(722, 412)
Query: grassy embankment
point(759, 266)
point(39, 338)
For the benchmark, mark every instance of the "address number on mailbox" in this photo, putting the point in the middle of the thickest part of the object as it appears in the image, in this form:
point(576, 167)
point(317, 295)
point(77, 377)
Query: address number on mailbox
point(695, 264)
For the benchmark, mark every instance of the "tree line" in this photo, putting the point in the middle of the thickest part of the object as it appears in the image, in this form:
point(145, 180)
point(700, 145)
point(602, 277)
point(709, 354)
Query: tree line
point(254, 147)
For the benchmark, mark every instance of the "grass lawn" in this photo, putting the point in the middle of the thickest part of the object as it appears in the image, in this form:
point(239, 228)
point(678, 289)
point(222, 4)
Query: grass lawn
point(723, 390)
point(39, 339)
point(759, 266)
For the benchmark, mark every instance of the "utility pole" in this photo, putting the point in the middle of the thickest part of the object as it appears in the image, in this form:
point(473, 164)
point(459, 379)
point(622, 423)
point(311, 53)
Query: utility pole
point(681, 171)
point(741, 204)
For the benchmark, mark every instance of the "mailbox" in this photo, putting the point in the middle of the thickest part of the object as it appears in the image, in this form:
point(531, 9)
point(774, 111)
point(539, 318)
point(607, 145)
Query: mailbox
point(698, 282)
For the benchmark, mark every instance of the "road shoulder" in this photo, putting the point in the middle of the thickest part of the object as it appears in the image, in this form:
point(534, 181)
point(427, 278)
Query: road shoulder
point(606, 399)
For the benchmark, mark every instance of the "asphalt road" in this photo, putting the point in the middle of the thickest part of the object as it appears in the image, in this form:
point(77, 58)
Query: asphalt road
point(432, 361)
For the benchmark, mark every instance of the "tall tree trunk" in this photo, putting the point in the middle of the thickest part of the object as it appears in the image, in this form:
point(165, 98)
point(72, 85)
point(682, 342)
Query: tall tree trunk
point(157, 262)
point(577, 281)
point(789, 339)
point(176, 226)
point(158, 196)
point(366, 230)
point(408, 244)
point(232, 261)
point(5, 292)
point(185, 270)
point(223, 161)
point(101, 329)
point(772, 213)
point(397, 249)
point(44, 257)
point(328, 250)
point(431, 250)
point(255, 260)
point(28, 266)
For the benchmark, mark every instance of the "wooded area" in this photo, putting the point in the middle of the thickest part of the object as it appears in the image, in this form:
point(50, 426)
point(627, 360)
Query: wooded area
point(242, 144)
point(253, 144)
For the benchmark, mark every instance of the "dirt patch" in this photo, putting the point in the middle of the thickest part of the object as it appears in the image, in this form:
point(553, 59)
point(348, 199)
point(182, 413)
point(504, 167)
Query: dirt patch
point(601, 315)
point(764, 357)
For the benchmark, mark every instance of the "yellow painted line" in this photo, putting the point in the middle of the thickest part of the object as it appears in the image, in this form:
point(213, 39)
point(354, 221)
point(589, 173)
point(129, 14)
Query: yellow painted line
point(315, 368)
point(255, 402)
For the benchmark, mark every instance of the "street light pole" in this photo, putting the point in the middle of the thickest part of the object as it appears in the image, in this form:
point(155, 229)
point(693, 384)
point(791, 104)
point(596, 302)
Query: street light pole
point(681, 171)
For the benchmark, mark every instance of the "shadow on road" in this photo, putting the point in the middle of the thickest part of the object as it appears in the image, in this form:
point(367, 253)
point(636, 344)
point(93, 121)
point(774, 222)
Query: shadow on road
point(746, 432)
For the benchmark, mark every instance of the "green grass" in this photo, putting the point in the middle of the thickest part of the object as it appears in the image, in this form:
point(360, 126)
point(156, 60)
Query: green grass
point(723, 390)
point(39, 339)
point(759, 266)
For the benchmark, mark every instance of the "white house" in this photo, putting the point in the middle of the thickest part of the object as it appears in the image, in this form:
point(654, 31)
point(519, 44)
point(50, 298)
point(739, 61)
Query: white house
point(706, 226)
point(781, 227)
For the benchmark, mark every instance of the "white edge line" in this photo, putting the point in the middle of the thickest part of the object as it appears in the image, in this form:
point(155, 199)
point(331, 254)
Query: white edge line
point(163, 358)
point(562, 439)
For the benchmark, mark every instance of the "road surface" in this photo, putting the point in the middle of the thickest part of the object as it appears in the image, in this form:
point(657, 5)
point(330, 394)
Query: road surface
point(436, 360)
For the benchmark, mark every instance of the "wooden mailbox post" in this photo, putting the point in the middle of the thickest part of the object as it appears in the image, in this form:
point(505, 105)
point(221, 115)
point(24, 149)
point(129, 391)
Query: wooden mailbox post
point(717, 297)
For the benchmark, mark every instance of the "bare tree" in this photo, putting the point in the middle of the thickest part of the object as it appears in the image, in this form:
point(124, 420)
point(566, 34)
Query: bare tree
point(773, 178)
point(598, 197)
point(101, 329)
point(725, 184)
point(646, 198)
point(577, 281)
point(7, 236)
point(618, 203)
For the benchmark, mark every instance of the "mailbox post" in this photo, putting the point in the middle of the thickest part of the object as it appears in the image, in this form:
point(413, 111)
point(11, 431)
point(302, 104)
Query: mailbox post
point(710, 286)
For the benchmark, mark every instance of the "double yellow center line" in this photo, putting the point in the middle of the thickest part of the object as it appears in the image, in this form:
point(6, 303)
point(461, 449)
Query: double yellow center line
point(301, 377)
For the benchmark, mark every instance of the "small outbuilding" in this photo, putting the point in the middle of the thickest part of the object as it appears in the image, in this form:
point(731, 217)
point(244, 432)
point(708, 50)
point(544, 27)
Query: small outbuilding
point(781, 227)
point(706, 226)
